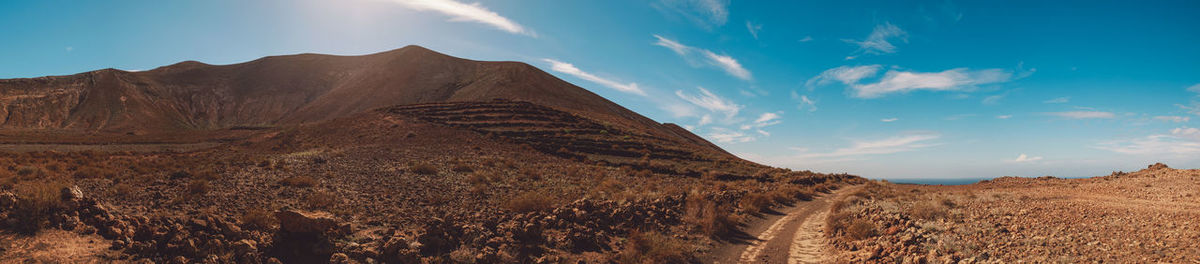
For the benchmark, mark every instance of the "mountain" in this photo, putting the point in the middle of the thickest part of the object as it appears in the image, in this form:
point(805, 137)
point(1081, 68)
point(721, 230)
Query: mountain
point(295, 89)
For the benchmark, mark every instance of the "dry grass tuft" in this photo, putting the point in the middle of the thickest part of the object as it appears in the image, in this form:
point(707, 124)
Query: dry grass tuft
point(423, 168)
point(928, 211)
point(320, 200)
point(257, 219)
point(756, 203)
point(197, 187)
point(529, 202)
point(299, 181)
point(860, 229)
point(651, 247)
point(462, 167)
point(711, 219)
point(36, 202)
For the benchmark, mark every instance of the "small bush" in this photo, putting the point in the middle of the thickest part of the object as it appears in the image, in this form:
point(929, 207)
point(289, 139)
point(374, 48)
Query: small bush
point(197, 187)
point(927, 211)
point(299, 181)
point(836, 222)
point(423, 168)
point(756, 203)
point(257, 219)
point(180, 175)
point(860, 229)
point(122, 189)
point(711, 219)
point(529, 202)
point(320, 200)
point(643, 173)
point(36, 202)
point(650, 247)
point(462, 167)
point(529, 174)
point(26, 172)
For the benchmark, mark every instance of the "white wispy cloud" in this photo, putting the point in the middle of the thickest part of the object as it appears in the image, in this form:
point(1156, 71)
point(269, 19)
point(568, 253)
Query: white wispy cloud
point(895, 81)
point(753, 28)
point(889, 120)
point(705, 13)
point(1176, 119)
point(1060, 100)
point(1194, 89)
point(994, 99)
point(1024, 158)
point(764, 120)
point(568, 68)
point(805, 103)
point(458, 11)
point(698, 56)
point(896, 144)
point(1083, 114)
point(1004, 116)
point(1194, 108)
point(847, 75)
point(711, 102)
point(879, 41)
point(806, 39)
point(723, 135)
point(1183, 141)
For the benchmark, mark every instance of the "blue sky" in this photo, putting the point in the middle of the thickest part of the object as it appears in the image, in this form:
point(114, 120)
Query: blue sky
point(884, 89)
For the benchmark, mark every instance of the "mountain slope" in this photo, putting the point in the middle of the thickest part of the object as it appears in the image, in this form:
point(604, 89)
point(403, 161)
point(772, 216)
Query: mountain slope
point(294, 89)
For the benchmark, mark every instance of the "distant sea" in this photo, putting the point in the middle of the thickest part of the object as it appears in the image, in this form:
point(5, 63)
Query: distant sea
point(955, 181)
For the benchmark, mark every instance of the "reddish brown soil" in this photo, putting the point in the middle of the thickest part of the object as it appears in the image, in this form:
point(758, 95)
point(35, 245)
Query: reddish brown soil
point(398, 157)
point(1147, 216)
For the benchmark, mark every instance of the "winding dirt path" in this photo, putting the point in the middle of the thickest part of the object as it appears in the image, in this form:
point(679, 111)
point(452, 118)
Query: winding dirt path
point(791, 235)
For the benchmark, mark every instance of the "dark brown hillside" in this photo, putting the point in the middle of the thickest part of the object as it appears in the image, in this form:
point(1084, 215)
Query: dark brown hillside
point(294, 89)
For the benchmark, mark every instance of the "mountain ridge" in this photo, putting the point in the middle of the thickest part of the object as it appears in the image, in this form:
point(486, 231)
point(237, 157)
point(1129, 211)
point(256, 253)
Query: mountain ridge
point(292, 89)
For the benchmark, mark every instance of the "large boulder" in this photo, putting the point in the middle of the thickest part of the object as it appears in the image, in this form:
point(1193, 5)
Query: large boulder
point(305, 222)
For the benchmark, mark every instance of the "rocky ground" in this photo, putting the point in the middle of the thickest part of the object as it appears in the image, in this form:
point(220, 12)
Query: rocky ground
point(385, 188)
point(1140, 217)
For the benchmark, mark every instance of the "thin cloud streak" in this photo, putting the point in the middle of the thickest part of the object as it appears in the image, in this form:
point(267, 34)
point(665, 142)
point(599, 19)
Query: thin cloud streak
point(702, 56)
point(1083, 115)
point(570, 69)
point(711, 102)
point(459, 11)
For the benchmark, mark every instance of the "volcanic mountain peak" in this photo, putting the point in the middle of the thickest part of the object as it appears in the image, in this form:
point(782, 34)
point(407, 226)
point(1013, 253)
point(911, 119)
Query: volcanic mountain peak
point(293, 89)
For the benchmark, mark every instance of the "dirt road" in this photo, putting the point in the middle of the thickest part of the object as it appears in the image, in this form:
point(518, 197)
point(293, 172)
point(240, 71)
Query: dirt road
point(789, 235)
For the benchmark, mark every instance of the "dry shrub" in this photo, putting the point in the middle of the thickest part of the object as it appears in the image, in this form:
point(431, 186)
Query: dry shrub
point(948, 203)
point(320, 200)
point(643, 173)
point(711, 219)
point(529, 174)
point(836, 222)
point(91, 172)
point(756, 203)
point(122, 189)
point(928, 211)
point(28, 172)
point(651, 247)
point(860, 229)
point(462, 167)
point(36, 202)
point(197, 187)
point(837, 206)
point(257, 219)
point(529, 202)
point(423, 168)
point(299, 181)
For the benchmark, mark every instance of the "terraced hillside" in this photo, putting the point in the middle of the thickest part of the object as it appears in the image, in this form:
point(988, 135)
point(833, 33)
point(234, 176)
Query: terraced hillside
point(567, 135)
